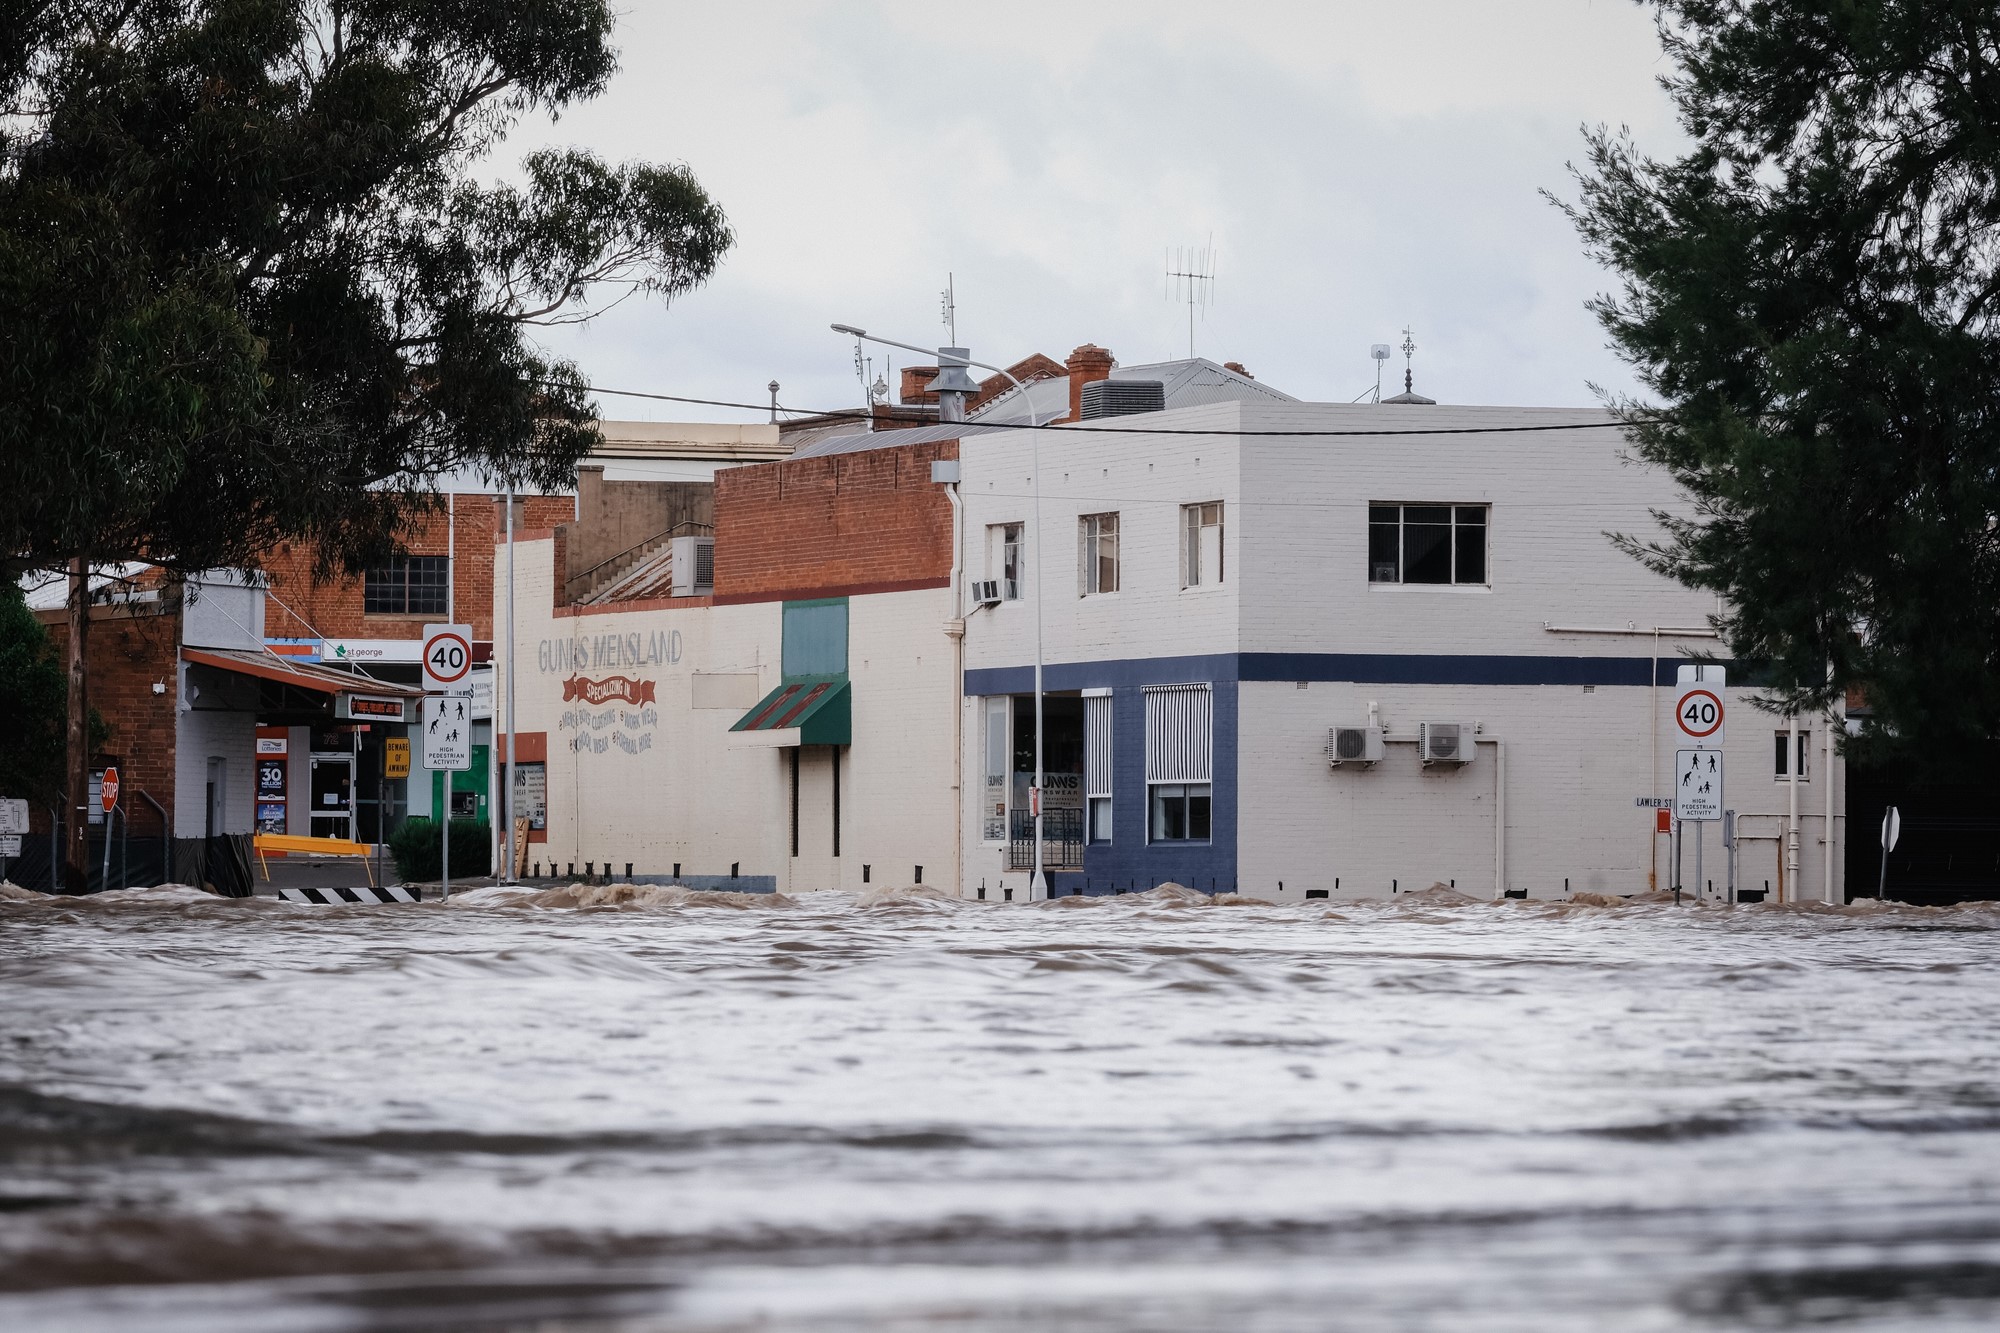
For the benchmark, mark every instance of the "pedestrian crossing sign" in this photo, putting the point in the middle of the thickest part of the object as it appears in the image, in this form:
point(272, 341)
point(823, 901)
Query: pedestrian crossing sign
point(1697, 785)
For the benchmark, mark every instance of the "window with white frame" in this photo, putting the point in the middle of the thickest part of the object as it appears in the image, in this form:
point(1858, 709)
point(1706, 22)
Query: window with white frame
point(1179, 763)
point(1427, 543)
point(1003, 558)
point(1097, 766)
point(1097, 554)
point(1783, 771)
point(1201, 544)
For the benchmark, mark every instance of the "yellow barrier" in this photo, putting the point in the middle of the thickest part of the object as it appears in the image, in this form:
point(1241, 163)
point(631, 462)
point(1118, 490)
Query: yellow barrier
point(284, 842)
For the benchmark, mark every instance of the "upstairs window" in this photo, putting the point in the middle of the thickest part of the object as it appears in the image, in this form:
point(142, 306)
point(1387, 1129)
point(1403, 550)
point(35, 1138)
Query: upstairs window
point(1803, 767)
point(1201, 544)
point(1427, 543)
point(1003, 558)
point(1097, 554)
point(409, 585)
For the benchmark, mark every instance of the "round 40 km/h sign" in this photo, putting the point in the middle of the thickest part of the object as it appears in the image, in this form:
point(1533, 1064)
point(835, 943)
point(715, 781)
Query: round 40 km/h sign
point(1698, 714)
point(448, 659)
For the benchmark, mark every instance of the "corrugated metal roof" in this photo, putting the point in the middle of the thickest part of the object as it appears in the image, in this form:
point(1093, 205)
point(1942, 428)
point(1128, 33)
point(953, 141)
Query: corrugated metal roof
point(1189, 383)
point(886, 439)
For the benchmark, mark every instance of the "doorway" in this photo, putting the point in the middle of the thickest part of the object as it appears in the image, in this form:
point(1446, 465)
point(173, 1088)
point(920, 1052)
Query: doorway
point(332, 795)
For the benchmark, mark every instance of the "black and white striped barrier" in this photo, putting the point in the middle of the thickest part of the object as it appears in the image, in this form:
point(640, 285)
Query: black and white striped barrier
point(393, 894)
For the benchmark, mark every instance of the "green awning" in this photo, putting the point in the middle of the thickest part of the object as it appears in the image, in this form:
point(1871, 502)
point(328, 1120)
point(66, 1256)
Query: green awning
point(817, 708)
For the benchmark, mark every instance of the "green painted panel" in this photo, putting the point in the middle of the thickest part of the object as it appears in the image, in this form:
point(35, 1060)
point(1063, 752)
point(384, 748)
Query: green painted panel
point(815, 638)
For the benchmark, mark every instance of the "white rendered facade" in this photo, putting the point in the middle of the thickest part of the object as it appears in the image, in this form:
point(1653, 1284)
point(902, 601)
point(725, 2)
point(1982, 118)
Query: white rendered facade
point(1563, 653)
point(665, 784)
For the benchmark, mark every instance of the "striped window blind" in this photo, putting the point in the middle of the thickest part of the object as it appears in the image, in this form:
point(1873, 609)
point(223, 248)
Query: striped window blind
point(1097, 745)
point(1178, 730)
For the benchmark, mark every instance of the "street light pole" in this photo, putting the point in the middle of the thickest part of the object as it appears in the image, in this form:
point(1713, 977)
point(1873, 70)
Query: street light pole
point(1039, 885)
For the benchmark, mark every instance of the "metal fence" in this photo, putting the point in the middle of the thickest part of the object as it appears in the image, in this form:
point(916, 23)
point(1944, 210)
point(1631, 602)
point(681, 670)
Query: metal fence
point(1062, 840)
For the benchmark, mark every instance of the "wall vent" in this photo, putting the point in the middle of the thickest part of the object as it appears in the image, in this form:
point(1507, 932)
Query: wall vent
point(1122, 398)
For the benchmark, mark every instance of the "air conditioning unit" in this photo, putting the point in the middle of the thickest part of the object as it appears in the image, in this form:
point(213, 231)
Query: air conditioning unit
point(1446, 742)
point(986, 592)
point(1354, 745)
point(693, 566)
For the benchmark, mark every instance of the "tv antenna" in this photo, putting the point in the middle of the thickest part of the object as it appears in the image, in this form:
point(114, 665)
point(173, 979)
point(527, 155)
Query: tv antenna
point(949, 305)
point(1191, 278)
point(864, 369)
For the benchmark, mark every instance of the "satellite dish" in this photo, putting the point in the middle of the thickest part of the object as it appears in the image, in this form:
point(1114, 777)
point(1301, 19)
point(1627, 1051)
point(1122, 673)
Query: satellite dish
point(1380, 351)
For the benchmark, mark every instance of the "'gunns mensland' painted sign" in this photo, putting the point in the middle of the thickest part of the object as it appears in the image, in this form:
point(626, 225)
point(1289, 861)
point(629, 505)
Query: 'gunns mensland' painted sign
point(602, 652)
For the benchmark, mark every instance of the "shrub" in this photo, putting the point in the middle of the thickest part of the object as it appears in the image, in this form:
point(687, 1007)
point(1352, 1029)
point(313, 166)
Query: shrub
point(415, 847)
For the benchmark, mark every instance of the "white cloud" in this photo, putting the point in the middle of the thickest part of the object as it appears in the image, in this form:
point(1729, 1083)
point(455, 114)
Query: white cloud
point(1361, 166)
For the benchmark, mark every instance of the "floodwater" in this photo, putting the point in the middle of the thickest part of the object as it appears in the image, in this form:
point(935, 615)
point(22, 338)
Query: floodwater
point(709, 1113)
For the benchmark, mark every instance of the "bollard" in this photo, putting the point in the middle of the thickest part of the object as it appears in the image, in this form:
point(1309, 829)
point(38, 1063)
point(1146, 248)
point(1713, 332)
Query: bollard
point(572, 870)
point(1007, 894)
point(677, 870)
point(982, 893)
point(628, 872)
point(734, 866)
point(864, 874)
point(920, 874)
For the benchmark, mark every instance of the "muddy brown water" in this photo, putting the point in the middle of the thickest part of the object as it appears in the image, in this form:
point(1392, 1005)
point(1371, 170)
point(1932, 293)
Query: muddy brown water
point(658, 1111)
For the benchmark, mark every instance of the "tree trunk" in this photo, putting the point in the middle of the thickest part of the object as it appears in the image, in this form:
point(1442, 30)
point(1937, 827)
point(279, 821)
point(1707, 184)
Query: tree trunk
point(76, 840)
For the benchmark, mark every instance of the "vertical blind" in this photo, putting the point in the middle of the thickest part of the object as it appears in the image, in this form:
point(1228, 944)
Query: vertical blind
point(1178, 728)
point(1097, 745)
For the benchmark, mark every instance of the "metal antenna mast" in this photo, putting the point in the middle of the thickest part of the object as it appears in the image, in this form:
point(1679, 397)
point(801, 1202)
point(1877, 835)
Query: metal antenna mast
point(1191, 278)
point(950, 307)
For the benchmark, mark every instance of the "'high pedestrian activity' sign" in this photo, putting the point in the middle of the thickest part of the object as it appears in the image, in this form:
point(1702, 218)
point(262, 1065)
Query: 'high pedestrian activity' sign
point(1697, 785)
point(447, 732)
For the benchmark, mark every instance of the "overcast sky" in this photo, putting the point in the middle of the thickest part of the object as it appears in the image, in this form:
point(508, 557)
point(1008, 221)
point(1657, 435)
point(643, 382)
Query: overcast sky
point(1361, 166)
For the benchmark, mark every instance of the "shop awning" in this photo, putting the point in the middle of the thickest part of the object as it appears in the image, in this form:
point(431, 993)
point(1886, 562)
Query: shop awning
point(807, 710)
point(356, 697)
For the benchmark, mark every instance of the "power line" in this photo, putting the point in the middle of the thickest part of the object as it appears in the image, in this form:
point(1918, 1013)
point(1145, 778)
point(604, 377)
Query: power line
point(1136, 430)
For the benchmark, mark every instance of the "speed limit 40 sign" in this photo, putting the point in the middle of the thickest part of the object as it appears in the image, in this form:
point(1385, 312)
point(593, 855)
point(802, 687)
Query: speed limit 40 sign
point(448, 659)
point(1698, 714)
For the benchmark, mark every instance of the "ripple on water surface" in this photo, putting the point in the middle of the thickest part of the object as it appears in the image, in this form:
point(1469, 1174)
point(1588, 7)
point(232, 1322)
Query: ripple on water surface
point(655, 1109)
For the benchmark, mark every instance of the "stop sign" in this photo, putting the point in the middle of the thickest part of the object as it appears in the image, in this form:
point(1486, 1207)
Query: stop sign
point(109, 794)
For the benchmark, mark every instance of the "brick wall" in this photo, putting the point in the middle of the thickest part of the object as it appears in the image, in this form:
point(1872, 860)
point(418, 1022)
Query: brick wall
point(129, 650)
point(334, 610)
point(824, 526)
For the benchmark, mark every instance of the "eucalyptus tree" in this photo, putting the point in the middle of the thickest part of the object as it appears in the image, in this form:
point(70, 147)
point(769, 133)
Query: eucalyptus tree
point(251, 291)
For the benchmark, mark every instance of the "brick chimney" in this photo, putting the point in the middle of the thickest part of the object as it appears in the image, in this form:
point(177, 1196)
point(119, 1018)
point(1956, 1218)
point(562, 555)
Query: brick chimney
point(1087, 364)
point(916, 380)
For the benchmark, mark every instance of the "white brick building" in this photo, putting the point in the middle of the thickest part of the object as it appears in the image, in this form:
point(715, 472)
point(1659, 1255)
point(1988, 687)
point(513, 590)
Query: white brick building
point(1239, 560)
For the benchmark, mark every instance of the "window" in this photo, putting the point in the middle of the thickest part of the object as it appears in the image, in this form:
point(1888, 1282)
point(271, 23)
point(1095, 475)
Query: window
point(1781, 770)
point(1097, 554)
point(1179, 727)
point(1427, 543)
point(1180, 812)
point(1097, 766)
point(409, 585)
point(1201, 544)
point(1003, 558)
point(999, 739)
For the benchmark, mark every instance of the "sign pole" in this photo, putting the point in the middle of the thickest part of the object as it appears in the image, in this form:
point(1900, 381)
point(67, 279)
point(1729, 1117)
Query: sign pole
point(447, 678)
point(444, 851)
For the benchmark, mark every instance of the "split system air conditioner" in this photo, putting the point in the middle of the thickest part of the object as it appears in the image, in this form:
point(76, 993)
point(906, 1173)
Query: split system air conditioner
point(1354, 745)
point(1446, 742)
point(693, 564)
point(986, 592)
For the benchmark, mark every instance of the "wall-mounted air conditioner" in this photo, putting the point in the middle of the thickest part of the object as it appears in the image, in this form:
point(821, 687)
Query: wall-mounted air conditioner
point(1446, 742)
point(693, 566)
point(986, 592)
point(1360, 745)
